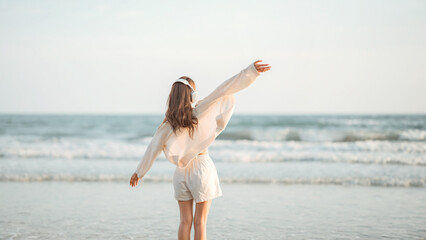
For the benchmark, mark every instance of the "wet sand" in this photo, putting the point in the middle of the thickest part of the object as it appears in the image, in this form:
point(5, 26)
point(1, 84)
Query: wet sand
point(113, 210)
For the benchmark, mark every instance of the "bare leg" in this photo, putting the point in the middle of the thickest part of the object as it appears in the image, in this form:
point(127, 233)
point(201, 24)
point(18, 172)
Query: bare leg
point(185, 208)
point(200, 221)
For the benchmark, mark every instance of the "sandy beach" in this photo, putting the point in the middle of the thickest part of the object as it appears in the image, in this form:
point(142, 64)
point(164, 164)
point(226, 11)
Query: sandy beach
point(113, 210)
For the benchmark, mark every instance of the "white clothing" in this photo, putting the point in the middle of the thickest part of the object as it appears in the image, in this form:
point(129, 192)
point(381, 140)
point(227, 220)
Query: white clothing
point(198, 180)
point(213, 113)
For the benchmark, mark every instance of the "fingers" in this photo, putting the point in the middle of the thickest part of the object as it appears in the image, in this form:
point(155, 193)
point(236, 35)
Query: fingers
point(264, 69)
point(261, 67)
point(134, 181)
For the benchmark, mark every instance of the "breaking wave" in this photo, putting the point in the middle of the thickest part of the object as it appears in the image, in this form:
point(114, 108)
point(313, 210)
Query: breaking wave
point(309, 135)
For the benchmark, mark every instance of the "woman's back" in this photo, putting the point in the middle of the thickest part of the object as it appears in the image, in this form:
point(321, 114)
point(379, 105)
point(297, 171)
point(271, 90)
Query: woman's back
point(180, 148)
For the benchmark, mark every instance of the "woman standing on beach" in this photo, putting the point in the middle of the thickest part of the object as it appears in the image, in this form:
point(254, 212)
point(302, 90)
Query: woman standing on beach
point(184, 137)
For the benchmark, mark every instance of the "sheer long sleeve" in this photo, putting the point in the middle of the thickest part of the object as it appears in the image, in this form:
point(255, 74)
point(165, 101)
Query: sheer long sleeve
point(234, 84)
point(154, 149)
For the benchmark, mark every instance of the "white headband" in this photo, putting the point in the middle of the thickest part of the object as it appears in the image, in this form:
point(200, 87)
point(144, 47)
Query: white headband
point(184, 81)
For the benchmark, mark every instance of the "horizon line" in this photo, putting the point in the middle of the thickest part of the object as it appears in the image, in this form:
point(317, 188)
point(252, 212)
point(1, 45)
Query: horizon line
point(242, 113)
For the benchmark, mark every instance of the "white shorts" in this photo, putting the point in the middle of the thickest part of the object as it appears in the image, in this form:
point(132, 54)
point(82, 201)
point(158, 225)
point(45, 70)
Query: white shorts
point(198, 180)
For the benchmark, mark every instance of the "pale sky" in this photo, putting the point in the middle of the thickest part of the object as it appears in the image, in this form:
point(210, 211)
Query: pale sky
point(122, 56)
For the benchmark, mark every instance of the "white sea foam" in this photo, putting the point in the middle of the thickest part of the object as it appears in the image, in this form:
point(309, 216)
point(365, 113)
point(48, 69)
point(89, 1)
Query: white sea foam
point(413, 135)
point(91, 170)
point(371, 181)
point(374, 152)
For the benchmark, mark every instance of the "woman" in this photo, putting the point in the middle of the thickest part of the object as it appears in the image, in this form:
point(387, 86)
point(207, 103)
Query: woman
point(184, 137)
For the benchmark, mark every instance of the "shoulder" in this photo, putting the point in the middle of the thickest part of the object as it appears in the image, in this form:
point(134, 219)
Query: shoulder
point(164, 128)
point(163, 124)
point(162, 132)
point(198, 106)
point(198, 103)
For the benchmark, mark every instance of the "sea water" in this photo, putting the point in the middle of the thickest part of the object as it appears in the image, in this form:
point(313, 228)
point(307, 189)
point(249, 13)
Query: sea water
point(303, 163)
point(368, 150)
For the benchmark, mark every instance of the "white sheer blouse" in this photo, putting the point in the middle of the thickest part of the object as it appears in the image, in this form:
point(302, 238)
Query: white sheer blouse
point(213, 113)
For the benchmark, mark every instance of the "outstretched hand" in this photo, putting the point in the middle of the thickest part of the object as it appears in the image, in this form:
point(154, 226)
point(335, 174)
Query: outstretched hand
point(134, 180)
point(261, 67)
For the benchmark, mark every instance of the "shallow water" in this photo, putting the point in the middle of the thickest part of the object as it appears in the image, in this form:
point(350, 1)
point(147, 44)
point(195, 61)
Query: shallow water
point(109, 210)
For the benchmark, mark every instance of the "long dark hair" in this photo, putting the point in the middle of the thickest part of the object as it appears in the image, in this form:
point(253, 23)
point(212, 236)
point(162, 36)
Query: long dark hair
point(179, 111)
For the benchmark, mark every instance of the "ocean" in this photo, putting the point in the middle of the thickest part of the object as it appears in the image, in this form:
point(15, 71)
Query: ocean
point(370, 150)
point(322, 154)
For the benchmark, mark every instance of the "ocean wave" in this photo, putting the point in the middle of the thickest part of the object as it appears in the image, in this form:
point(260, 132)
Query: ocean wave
point(11, 147)
point(379, 161)
point(368, 152)
point(318, 135)
point(372, 152)
point(254, 157)
point(345, 181)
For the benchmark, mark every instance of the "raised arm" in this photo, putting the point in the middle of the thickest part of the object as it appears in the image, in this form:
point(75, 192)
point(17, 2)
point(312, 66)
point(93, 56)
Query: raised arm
point(154, 149)
point(234, 84)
